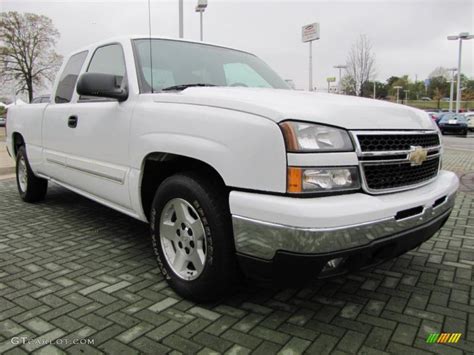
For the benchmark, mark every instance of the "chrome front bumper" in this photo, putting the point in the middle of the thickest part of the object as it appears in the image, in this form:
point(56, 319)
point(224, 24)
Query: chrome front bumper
point(262, 239)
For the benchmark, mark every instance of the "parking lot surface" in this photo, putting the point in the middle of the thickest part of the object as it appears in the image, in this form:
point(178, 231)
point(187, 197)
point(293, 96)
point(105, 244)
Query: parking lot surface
point(72, 269)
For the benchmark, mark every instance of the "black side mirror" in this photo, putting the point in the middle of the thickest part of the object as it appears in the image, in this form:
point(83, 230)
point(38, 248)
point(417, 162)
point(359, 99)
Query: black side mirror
point(102, 85)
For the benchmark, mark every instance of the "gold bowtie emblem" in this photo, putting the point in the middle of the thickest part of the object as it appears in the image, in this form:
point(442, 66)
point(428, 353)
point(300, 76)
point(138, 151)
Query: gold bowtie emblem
point(417, 155)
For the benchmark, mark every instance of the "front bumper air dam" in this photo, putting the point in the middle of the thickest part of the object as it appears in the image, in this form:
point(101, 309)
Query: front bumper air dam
point(290, 268)
point(292, 238)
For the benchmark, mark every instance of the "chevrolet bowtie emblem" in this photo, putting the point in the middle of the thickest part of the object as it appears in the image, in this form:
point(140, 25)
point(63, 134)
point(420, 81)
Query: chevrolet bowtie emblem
point(417, 155)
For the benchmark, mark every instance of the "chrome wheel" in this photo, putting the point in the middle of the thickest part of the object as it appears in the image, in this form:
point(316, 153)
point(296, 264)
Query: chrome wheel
point(22, 174)
point(183, 239)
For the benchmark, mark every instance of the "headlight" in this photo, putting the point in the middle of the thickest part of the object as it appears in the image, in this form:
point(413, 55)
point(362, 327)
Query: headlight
point(308, 137)
point(311, 180)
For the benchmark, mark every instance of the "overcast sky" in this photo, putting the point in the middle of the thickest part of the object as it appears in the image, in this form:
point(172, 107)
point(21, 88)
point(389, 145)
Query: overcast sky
point(408, 36)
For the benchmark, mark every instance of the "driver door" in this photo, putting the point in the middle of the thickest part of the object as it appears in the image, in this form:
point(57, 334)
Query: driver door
point(98, 159)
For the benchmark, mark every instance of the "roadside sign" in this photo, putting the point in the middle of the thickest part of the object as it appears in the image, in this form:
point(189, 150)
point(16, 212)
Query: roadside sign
point(310, 32)
point(331, 79)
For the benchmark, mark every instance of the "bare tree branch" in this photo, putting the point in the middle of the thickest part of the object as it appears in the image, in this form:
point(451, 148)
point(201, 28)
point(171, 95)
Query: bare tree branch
point(27, 55)
point(360, 65)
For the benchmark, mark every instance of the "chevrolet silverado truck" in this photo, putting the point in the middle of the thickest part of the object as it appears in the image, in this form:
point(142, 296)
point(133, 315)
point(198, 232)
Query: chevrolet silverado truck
point(235, 173)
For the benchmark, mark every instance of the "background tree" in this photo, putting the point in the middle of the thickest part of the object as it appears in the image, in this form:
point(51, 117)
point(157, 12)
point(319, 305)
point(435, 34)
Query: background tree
point(440, 72)
point(438, 88)
point(380, 90)
point(348, 85)
point(360, 63)
point(417, 90)
point(392, 80)
point(27, 55)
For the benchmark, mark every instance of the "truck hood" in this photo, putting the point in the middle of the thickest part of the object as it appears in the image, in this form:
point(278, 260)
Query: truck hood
point(349, 112)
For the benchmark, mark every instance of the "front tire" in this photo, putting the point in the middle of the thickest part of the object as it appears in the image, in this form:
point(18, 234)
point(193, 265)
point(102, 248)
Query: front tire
point(30, 187)
point(192, 237)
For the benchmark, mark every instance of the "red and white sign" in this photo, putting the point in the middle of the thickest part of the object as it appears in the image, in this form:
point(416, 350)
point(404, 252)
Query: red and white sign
point(310, 32)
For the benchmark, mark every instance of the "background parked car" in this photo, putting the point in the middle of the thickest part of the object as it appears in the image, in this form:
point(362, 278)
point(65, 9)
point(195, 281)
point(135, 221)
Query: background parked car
point(40, 99)
point(453, 123)
point(2, 121)
point(434, 115)
point(470, 120)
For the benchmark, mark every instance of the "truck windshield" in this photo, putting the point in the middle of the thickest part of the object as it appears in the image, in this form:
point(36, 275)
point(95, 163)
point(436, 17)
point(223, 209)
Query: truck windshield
point(178, 64)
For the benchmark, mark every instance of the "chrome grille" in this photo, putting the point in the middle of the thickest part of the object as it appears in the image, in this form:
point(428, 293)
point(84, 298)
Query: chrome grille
point(384, 159)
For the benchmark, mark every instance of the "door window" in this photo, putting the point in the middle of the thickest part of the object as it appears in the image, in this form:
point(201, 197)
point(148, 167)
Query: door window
point(108, 59)
point(68, 79)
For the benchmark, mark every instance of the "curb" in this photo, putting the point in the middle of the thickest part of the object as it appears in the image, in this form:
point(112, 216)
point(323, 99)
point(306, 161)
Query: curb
point(7, 171)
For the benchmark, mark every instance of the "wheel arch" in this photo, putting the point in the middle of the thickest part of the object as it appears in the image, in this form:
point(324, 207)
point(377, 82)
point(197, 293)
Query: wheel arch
point(157, 166)
point(17, 142)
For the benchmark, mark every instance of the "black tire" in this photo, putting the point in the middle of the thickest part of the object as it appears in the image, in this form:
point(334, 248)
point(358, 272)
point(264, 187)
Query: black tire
point(220, 274)
point(33, 189)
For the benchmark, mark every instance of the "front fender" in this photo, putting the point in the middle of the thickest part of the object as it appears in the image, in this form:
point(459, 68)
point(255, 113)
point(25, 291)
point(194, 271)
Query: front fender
point(248, 151)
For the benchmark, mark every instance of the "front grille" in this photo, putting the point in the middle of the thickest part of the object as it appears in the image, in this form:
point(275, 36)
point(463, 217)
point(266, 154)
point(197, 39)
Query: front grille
point(385, 159)
point(390, 142)
point(396, 175)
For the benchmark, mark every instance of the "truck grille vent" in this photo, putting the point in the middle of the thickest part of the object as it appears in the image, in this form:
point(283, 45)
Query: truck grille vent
point(389, 176)
point(390, 142)
point(384, 159)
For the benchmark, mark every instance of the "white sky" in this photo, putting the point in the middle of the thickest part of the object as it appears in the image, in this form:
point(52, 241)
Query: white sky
point(408, 37)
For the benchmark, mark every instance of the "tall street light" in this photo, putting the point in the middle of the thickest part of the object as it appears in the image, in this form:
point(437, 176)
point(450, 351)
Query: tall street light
point(451, 91)
point(460, 37)
point(340, 67)
point(201, 7)
point(180, 19)
point(398, 92)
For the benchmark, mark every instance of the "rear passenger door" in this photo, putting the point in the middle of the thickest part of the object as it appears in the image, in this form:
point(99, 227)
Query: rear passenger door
point(55, 130)
point(98, 155)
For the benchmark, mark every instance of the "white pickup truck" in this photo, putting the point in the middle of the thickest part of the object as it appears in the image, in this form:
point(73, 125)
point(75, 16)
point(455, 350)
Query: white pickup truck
point(236, 173)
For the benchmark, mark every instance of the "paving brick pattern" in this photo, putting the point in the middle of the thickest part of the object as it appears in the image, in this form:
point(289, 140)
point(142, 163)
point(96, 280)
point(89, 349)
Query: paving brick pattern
point(73, 269)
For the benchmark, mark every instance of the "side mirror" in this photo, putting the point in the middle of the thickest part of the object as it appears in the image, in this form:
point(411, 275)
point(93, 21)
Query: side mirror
point(102, 85)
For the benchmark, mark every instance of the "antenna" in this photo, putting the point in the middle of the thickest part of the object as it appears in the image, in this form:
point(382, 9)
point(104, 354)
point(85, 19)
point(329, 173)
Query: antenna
point(149, 38)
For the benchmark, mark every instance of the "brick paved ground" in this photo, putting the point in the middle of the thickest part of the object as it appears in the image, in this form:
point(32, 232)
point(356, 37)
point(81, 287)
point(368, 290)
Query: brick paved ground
point(70, 268)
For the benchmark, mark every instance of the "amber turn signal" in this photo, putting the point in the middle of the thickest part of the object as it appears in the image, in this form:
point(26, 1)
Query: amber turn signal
point(295, 182)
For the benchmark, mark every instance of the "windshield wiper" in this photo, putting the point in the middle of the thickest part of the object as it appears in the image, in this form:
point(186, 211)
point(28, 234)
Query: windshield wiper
point(184, 86)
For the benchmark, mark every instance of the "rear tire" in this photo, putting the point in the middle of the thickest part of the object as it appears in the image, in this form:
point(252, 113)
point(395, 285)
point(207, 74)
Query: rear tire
point(30, 187)
point(192, 237)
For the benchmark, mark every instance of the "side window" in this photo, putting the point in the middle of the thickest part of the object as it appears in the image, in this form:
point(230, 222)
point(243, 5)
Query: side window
point(68, 79)
point(108, 60)
point(241, 74)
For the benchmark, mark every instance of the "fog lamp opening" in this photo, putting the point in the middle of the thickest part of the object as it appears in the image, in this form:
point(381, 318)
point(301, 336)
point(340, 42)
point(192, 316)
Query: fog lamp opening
point(333, 264)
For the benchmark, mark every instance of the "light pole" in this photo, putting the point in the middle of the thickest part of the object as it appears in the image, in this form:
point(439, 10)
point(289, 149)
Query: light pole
point(398, 92)
point(180, 16)
point(451, 91)
point(340, 67)
point(460, 37)
point(406, 96)
point(375, 88)
point(201, 7)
